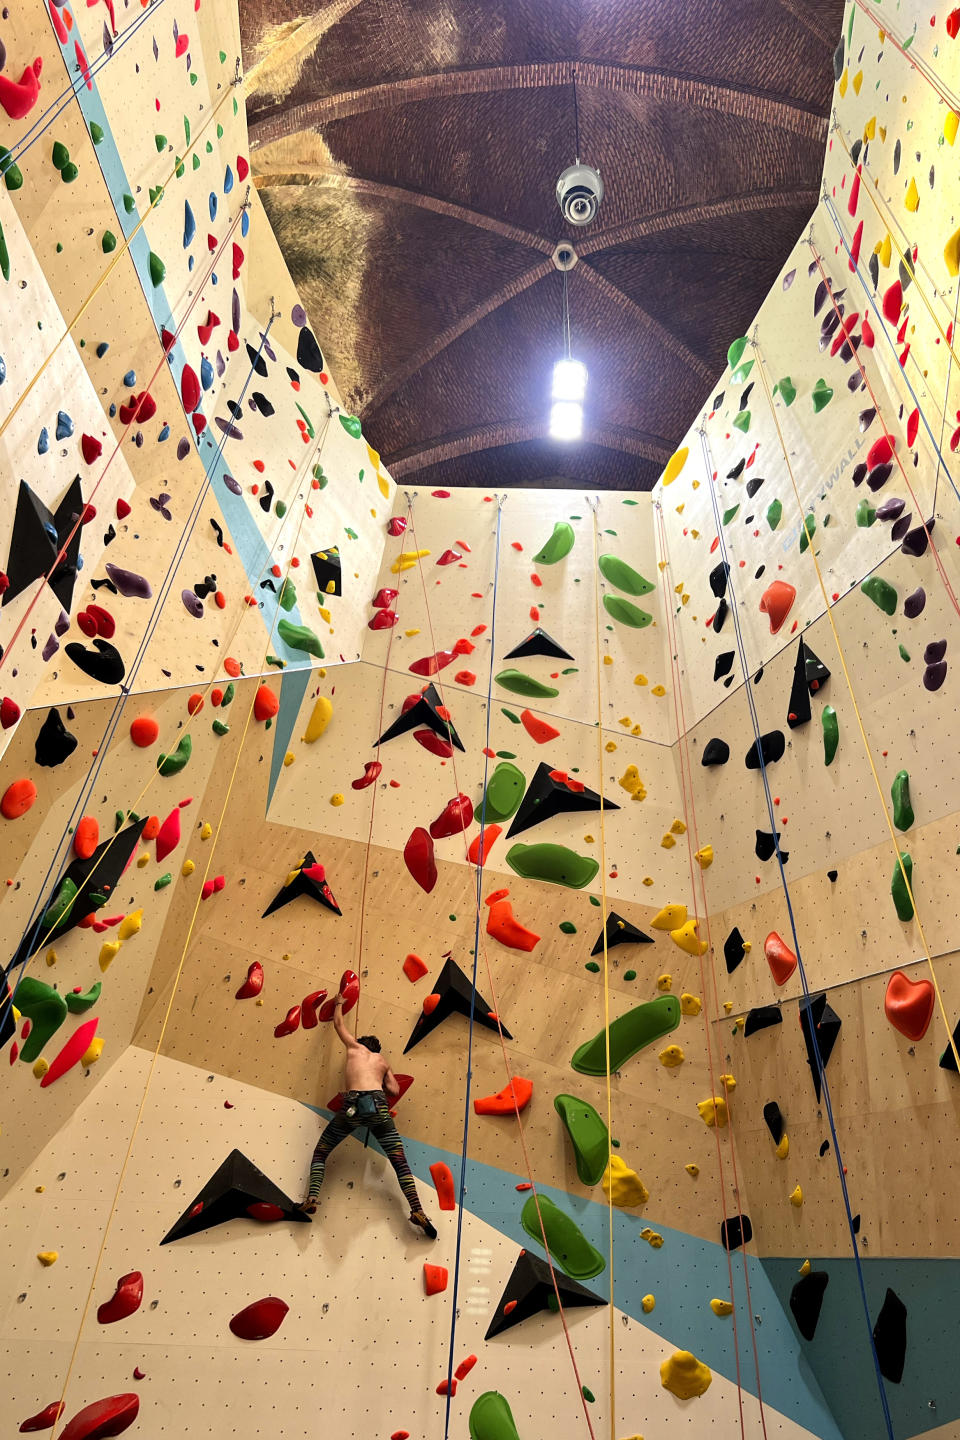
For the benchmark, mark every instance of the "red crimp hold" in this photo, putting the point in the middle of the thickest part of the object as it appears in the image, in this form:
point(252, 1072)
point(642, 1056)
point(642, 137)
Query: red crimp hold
point(44, 1419)
point(260, 1320)
point(449, 557)
point(433, 742)
point(308, 1008)
point(419, 859)
point(446, 1386)
point(168, 836)
point(103, 1418)
point(465, 1366)
point(74, 1050)
point(253, 983)
point(442, 1177)
point(349, 989)
point(538, 729)
point(490, 833)
point(431, 664)
point(139, 1374)
point(515, 1096)
point(383, 620)
point(400, 1435)
point(371, 771)
point(414, 968)
point(435, 1279)
point(291, 1023)
point(126, 1299)
point(384, 598)
point(456, 817)
point(263, 1211)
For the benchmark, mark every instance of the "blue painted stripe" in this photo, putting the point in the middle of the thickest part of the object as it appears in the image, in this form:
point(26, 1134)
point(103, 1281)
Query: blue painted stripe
point(293, 686)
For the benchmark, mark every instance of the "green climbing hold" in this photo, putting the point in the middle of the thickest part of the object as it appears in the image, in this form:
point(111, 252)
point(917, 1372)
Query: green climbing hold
point(866, 514)
point(568, 927)
point(899, 887)
point(77, 1004)
point(559, 545)
point(627, 614)
point(506, 754)
point(774, 514)
point(881, 592)
point(595, 901)
point(129, 204)
point(728, 515)
point(163, 881)
point(787, 389)
point(157, 269)
point(173, 763)
point(288, 595)
point(569, 1247)
point(96, 132)
point(903, 816)
point(807, 531)
point(593, 967)
point(629, 974)
point(299, 637)
point(521, 684)
point(831, 733)
point(12, 175)
point(503, 794)
point(108, 242)
point(735, 352)
point(46, 1010)
point(588, 1136)
point(69, 173)
point(352, 426)
point(623, 576)
point(220, 728)
point(322, 480)
point(554, 863)
point(514, 719)
point(118, 819)
point(904, 653)
point(280, 509)
point(742, 421)
point(4, 257)
point(741, 373)
point(228, 695)
point(821, 395)
point(61, 905)
point(628, 1033)
point(60, 155)
point(491, 1418)
point(161, 143)
point(587, 1393)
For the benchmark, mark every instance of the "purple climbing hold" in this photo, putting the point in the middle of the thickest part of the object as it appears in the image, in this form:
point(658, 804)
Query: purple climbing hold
point(913, 605)
point(859, 473)
point(299, 316)
point(192, 604)
point(183, 448)
point(879, 476)
point(231, 431)
point(62, 624)
point(890, 509)
point(235, 310)
point(232, 485)
point(934, 675)
point(901, 526)
point(51, 647)
point(129, 584)
point(934, 652)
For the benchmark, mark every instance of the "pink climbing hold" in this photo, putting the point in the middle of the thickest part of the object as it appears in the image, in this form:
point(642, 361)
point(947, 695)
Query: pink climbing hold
point(419, 858)
point(74, 1050)
point(18, 97)
point(125, 1301)
point(253, 984)
point(103, 1418)
point(779, 957)
point(260, 1320)
point(776, 602)
point(168, 836)
point(456, 817)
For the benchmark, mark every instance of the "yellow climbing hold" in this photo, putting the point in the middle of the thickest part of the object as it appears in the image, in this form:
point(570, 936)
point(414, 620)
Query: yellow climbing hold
point(93, 1052)
point(678, 828)
point(674, 465)
point(608, 659)
point(664, 983)
point(692, 1169)
point(713, 1112)
point(704, 857)
point(288, 759)
point(658, 690)
point(631, 782)
point(143, 860)
point(130, 925)
point(48, 1257)
point(40, 1067)
point(721, 1307)
point(912, 198)
point(684, 1375)
point(805, 1268)
point(640, 680)
point(648, 1302)
point(951, 253)
point(728, 1006)
point(623, 1186)
point(885, 251)
point(689, 941)
point(654, 1240)
point(671, 1057)
point(950, 124)
point(857, 81)
point(842, 86)
point(636, 730)
point(336, 799)
point(588, 839)
point(796, 1197)
point(320, 717)
point(783, 1149)
point(668, 842)
point(51, 957)
point(728, 1083)
point(648, 880)
point(187, 868)
point(407, 559)
point(206, 830)
point(108, 953)
point(670, 917)
point(870, 129)
point(610, 746)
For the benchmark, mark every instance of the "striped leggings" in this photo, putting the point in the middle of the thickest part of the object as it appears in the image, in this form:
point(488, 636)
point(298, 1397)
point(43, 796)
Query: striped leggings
point(382, 1127)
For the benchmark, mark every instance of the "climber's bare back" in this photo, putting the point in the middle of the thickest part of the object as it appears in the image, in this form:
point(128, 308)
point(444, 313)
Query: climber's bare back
point(363, 1070)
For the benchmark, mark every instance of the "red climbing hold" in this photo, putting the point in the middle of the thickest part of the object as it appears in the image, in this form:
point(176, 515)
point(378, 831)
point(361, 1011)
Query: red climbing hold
point(104, 1417)
point(9, 712)
point(45, 1419)
point(396, 526)
point(18, 798)
point(430, 1003)
point(263, 1211)
point(867, 331)
point(126, 1299)
point(456, 817)
point(90, 446)
point(266, 704)
point(489, 834)
point(881, 451)
point(780, 958)
point(465, 1366)
point(431, 664)
point(435, 1278)
point(538, 729)
point(515, 1096)
point(350, 993)
point(260, 1320)
point(253, 984)
point(893, 303)
point(446, 1386)
point(86, 837)
point(288, 1025)
point(371, 772)
point(433, 742)
point(776, 602)
point(144, 731)
point(383, 620)
point(414, 968)
point(237, 260)
point(400, 1435)
point(18, 97)
point(308, 1008)
point(503, 925)
point(168, 836)
point(908, 1005)
point(854, 194)
point(384, 598)
point(913, 425)
point(75, 1048)
point(442, 1177)
point(953, 24)
point(419, 859)
point(449, 557)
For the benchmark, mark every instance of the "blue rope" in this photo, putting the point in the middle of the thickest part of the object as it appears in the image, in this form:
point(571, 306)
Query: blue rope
point(39, 908)
point(476, 961)
point(748, 687)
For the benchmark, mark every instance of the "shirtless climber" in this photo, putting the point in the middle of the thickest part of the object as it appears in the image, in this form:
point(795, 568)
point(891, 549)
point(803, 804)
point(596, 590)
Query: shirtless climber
point(368, 1082)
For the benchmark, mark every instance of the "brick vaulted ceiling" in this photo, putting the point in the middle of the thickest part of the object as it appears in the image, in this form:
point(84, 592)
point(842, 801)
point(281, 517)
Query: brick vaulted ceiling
point(407, 152)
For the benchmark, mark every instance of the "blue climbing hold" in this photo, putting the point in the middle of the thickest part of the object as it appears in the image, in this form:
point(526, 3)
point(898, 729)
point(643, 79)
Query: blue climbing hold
point(64, 425)
point(102, 349)
point(245, 223)
point(130, 379)
point(43, 444)
point(227, 181)
point(189, 224)
point(206, 373)
point(213, 206)
point(164, 434)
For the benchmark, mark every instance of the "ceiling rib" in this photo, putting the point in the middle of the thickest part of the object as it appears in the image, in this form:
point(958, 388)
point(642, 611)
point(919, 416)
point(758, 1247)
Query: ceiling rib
point(750, 202)
point(517, 432)
point(666, 337)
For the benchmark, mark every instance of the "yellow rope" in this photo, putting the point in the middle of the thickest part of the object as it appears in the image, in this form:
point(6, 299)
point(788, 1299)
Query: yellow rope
point(115, 259)
point(606, 966)
point(811, 550)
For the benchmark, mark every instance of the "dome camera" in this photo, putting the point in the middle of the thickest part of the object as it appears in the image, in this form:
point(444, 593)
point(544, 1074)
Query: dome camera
point(579, 192)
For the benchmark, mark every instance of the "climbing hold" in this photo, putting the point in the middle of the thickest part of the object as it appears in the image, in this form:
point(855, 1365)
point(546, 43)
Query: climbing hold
point(520, 684)
point(806, 1300)
point(74, 1050)
point(265, 704)
point(671, 917)
point(456, 817)
point(715, 752)
point(688, 940)
point(776, 603)
point(253, 984)
point(530, 1290)
point(419, 858)
point(901, 887)
point(690, 1004)
point(79, 1000)
point(503, 925)
point(704, 856)
point(177, 760)
point(513, 1097)
point(890, 1337)
point(626, 613)
point(260, 1320)
point(17, 799)
point(623, 576)
point(45, 1008)
point(721, 1307)
point(779, 957)
point(538, 642)
point(109, 951)
point(434, 1279)
point(684, 1375)
point(569, 1247)
point(555, 863)
point(674, 465)
point(558, 546)
point(831, 733)
point(552, 793)
point(144, 731)
point(623, 1186)
point(125, 1301)
point(588, 1135)
point(104, 1417)
point(537, 728)
point(881, 592)
point(618, 931)
point(907, 1004)
point(903, 816)
point(45, 1419)
point(631, 782)
point(671, 1056)
point(713, 1112)
point(491, 1418)
point(629, 1033)
point(766, 751)
point(796, 1197)
point(299, 637)
point(821, 395)
point(443, 1183)
point(455, 996)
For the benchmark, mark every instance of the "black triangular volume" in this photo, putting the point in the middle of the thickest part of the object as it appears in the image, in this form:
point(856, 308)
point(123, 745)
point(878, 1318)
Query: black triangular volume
point(310, 886)
point(773, 1120)
point(718, 579)
point(762, 1018)
point(715, 752)
point(816, 672)
point(33, 543)
point(769, 748)
point(457, 997)
point(326, 568)
point(806, 1300)
point(546, 797)
point(620, 932)
point(530, 1291)
point(735, 1232)
point(798, 712)
point(538, 642)
point(67, 522)
point(821, 1026)
point(890, 1337)
point(228, 1194)
point(947, 1059)
point(734, 949)
point(424, 712)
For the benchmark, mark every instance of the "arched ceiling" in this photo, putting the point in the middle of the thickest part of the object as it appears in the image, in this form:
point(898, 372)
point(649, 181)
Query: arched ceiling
point(407, 152)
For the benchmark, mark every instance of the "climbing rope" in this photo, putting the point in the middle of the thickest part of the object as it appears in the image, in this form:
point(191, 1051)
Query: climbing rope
point(747, 673)
point(914, 61)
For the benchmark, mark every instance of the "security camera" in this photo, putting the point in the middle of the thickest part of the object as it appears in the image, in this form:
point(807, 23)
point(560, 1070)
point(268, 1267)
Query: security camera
point(579, 192)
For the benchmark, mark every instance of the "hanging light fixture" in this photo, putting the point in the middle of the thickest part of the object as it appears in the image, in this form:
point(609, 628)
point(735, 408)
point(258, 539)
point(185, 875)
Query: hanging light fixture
point(569, 385)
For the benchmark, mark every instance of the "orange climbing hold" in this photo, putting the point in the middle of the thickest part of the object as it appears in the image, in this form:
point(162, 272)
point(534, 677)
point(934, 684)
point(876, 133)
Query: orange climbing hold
point(503, 925)
point(414, 968)
point(152, 828)
point(776, 602)
point(489, 835)
point(780, 958)
point(435, 1278)
point(86, 837)
point(908, 1005)
point(266, 704)
point(18, 798)
point(537, 728)
point(465, 1366)
point(515, 1096)
point(144, 731)
point(442, 1177)
point(430, 1003)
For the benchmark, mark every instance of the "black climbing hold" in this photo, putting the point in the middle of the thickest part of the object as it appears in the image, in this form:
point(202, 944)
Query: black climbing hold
point(229, 1194)
point(309, 354)
point(754, 485)
point(832, 875)
point(715, 752)
point(718, 579)
point(457, 997)
point(768, 845)
point(914, 543)
point(799, 711)
point(263, 405)
point(530, 1291)
point(538, 642)
point(424, 712)
point(735, 1232)
point(820, 1025)
point(773, 1120)
point(723, 665)
point(37, 539)
point(947, 1060)
point(769, 749)
point(879, 476)
point(806, 1299)
point(762, 1018)
point(737, 470)
point(890, 1337)
point(824, 1148)
point(54, 743)
point(719, 616)
point(816, 672)
point(620, 932)
point(326, 567)
point(265, 501)
point(104, 662)
point(838, 61)
point(546, 797)
point(257, 362)
point(734, 949)
point(314, 887)
point(859, 473)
